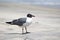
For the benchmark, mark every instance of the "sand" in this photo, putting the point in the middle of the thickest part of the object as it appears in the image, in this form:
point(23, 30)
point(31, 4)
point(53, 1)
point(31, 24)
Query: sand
point(45, 26)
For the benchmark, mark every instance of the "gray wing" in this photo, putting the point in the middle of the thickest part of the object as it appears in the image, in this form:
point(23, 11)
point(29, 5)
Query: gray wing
point(19, 21)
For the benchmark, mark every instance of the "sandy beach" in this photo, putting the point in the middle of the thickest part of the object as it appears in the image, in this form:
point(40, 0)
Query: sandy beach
point(45, 26)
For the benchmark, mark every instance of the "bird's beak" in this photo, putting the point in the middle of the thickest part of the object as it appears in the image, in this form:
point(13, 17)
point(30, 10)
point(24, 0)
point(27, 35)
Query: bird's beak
point(33, 16)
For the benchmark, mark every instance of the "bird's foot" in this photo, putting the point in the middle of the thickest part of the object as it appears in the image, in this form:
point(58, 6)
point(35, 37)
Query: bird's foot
point(27, 32)
point(23, 33)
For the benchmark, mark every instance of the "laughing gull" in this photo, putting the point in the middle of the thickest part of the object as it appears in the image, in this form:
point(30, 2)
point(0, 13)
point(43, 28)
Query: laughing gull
point(23, 22)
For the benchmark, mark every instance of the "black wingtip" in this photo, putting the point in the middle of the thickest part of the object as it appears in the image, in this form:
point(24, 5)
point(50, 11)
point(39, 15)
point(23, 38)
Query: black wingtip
point(8, 22)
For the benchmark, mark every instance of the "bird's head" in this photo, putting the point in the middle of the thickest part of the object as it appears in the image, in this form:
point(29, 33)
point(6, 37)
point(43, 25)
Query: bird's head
point(30, 15)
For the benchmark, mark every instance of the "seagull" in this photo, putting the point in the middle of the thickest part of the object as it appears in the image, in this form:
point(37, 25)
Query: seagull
point(22, 22)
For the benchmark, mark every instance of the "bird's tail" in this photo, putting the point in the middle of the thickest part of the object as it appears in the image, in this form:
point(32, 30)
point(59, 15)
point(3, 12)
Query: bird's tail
point(8, 22)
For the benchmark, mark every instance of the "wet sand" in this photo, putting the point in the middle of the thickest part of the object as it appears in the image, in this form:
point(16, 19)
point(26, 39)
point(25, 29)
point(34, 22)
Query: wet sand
point(45, 26)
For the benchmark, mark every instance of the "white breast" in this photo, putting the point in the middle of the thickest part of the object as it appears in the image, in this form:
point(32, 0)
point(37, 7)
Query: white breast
point(28, 22)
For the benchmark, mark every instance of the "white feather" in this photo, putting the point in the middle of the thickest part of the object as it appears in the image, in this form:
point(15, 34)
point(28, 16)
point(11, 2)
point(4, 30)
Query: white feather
point(28, 22)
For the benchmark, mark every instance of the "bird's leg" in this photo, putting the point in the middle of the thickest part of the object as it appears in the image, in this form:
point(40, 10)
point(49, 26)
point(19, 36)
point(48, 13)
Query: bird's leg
point(26, 29)
point(22, 30)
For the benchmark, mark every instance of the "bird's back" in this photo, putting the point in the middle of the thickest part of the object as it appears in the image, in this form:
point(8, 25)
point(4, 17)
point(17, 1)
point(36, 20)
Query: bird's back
point(19, 21)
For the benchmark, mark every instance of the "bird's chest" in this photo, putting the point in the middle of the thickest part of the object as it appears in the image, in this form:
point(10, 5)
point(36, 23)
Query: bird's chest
point(28, 22)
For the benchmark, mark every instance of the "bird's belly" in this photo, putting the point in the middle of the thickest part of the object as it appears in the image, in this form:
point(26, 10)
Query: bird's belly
point(27, 24)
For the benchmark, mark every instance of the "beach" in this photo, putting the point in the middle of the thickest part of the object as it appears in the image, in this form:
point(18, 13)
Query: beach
point(45, 25)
